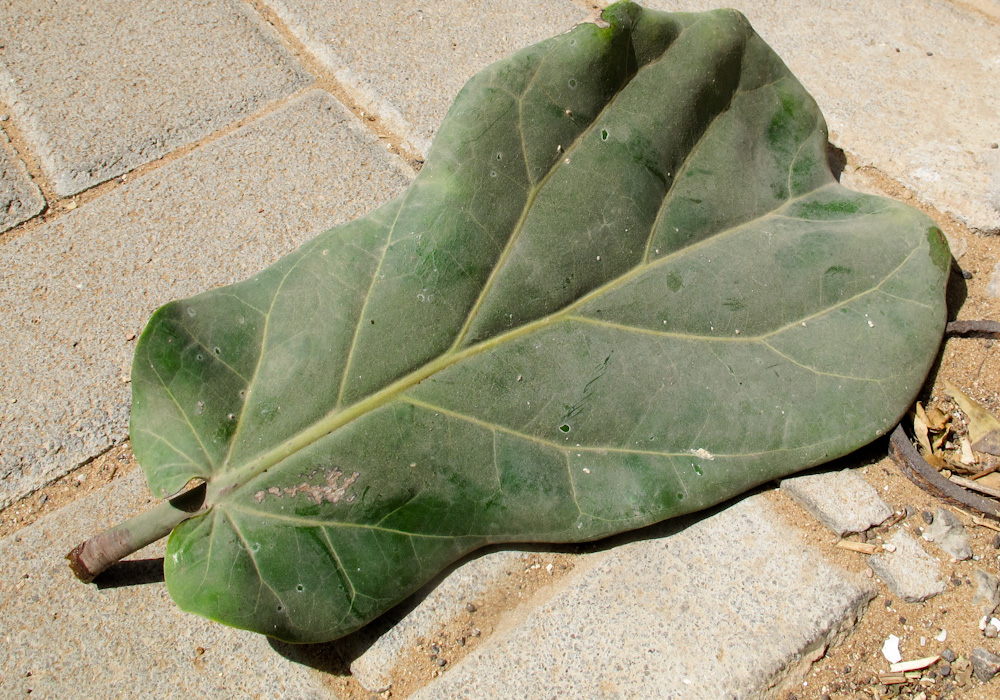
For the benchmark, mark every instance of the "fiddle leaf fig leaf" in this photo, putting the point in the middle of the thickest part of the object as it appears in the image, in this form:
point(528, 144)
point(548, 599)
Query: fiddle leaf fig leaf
point(625, 286)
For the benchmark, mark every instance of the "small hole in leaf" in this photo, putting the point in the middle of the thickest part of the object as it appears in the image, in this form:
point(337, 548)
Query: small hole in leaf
point(280, 608)
point(199, 357)
point(217, 351)
point(604, 134)
point(572, 83)
point(191, 312)
point(680, 497)
point(564, 427)
point(300, 588)
point(499, 156)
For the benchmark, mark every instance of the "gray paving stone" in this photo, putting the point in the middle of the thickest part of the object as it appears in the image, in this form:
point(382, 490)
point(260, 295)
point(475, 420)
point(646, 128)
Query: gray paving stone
point(927, 121)
point(909, 571)
point(948, 533)
point(20, 198)
point(60, 638)
point(725, 608)
point(841, 500)
point(380, 654)
point(101, 87)
point(406, 61)
point(71, 291)
point(987, 597)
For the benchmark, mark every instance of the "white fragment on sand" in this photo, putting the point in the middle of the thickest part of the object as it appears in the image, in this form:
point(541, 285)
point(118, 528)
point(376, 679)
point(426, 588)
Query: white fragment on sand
point(890, 650)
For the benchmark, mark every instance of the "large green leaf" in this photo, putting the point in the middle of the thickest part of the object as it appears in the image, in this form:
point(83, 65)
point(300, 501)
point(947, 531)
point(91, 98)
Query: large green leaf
point(625, 286)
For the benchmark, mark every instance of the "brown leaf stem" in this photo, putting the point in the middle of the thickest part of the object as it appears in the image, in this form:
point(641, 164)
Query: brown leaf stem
point(90, 558)
point(987, 329)
point(926, 477)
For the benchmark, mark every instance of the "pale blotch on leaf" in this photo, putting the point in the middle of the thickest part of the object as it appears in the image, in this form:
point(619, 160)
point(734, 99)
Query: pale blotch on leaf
point(331, 491)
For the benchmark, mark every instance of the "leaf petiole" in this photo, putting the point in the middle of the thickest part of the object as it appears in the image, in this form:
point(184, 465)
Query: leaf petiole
point(93, 556)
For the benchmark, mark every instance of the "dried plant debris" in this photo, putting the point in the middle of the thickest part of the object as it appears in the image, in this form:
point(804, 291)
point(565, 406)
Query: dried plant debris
point(983, 426)
point(960, 439)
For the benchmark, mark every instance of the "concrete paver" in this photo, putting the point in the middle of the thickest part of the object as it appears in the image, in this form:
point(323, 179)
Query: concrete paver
point(72, 291)
point(677, 616)
point(909, 571)
point(910, 91)
point(101, 87)
point(63, 639)
point(406, 61)
point(841, 500)
point(948, 533)
point(20, 198)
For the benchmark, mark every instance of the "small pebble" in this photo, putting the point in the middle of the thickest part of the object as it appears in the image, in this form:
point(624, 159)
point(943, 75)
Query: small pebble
point(4, 117)
point(948, 655)
point(966, 275)
point(902, 620)
point(927, 516)
point(441, 662)
point(910, 511)
point(985, 664)
point(995, 145)
point(996, 541)
point(945, 670)
point(990, 632)
point(470, 608)
point(824, 696)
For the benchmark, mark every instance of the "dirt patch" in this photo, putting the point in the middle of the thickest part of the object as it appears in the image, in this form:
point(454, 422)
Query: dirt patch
point(523, 588)
point(851, 669)
point(100, 471)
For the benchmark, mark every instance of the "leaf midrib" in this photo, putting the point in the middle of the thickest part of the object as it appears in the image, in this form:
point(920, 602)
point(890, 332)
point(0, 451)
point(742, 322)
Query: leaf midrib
point(226, 483)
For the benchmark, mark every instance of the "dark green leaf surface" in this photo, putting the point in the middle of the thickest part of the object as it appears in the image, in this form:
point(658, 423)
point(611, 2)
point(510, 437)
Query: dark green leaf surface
point(625, 286)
